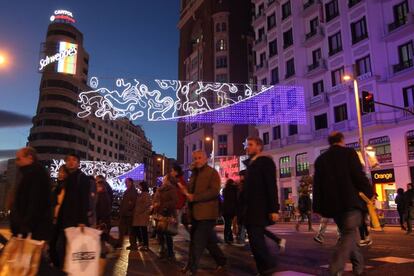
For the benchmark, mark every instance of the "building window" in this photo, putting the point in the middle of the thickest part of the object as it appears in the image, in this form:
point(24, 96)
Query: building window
point(105, 141)
point(293, 128)
point(221, 62)
point(317, 88)
point(321, 121)
point(408, 94)
point(264, 81)
point(98, 150)
point(266, 138)
point(337, 76)
point(313, 25)
point(284, 167)
point(271, 21)
point(272, 48)
point(276, 133)
point(261, 9)
point(405, 55)
point(363, 65)
point(262, 59)
point(316, 56)
point(382, 148)
point(290, 68)
point(400, 15)
point(302, 164)
point(223, 27)
point(221, 45)
point(99, 139)
point(331, 10)
point(261, 34)
point(335, 43)
point(359, 30)
point(341, 113)
point(410, 144)
point(104, 151)
point(221, 78)
point(222, 145)
point(286, 10)
point(274, 76)
point(287, 39)
point(352, 3)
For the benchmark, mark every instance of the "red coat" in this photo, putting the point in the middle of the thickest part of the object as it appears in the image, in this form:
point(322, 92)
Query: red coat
point(181, 197)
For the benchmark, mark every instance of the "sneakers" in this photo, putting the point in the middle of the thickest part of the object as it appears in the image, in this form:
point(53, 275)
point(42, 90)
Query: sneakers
point(367, 242)
point(282, 245)
point(318, 239)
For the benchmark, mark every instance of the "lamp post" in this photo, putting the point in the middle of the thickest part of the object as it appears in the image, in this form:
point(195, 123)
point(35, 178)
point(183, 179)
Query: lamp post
point(359, 119)
point(208, 139)
point(159, 159)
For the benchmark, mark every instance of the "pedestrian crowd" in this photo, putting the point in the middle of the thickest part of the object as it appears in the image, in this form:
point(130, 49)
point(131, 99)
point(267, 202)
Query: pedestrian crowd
point(76, 201)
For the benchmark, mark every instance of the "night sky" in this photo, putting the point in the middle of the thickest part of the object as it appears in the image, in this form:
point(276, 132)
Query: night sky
point(124, 38)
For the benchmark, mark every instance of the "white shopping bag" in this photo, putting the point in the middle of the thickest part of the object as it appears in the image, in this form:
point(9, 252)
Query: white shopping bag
point(83, 249)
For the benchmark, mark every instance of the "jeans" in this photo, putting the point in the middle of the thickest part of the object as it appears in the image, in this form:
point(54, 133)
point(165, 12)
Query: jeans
point(241, 233)
point(141, 233)
point(203, 236)
point(125, 228)
point(302, 219)
point(363, 228)
point(323, 226)
point(166, 245)
point(401, 214)
point(228, 234)
point(347, 248)
point(410, 217)
point(265, 262)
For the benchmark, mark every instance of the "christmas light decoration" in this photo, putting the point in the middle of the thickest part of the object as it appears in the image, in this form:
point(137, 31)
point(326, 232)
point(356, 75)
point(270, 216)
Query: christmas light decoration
point(114, 172)
point(195, 102)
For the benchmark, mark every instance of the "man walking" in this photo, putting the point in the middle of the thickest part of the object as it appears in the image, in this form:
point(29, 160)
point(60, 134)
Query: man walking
point(229, 208)
point(338, 180)
point(203, 196)
point(126, 211)
point(409, 207)
point(31, 211)
point(261, 205)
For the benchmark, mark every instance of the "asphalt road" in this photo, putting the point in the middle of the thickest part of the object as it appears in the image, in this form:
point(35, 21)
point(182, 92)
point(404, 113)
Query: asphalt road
point(303, 256)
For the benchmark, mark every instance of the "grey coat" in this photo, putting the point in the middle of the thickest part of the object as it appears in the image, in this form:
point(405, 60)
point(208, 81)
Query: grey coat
point(142, 210)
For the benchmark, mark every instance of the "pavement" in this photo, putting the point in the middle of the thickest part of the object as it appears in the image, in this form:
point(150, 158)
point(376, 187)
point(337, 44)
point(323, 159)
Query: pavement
point(392, 253)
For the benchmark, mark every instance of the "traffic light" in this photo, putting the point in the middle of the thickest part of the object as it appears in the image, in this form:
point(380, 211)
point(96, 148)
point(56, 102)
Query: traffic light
point(367, 102)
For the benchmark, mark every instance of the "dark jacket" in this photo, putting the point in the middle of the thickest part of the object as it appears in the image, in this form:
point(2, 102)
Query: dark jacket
point(128, 202)
point(103, 208)
point(205, 186)
point(304, 203)
point(32, 207)
point(230, 194)
point(409, 199)
point(166, 198)
point(337, 182)
point(75, 205)
point(110, 191)
point(260, 191)
point(399, 200)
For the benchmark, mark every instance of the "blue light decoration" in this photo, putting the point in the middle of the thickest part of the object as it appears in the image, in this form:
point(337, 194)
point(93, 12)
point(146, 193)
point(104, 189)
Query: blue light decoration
point(194, 101)
point(137, 174)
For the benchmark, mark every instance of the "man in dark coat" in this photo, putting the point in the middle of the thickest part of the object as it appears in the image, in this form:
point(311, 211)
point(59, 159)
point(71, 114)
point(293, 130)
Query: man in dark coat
point(338, 180)
point(260, 204)
point(409, 207)
point(31, 211)
point(229, 208)
point(126, 212)
point(75, 205)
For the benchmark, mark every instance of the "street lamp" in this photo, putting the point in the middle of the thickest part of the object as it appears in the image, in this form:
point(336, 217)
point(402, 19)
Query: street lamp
point(3, 59)
point(208, 139)
point(159, 159)
point(359, 119)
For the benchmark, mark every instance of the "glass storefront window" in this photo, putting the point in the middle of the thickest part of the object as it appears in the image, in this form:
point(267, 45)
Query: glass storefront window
point(410, 144)
point(302, 164)
point(284, 165)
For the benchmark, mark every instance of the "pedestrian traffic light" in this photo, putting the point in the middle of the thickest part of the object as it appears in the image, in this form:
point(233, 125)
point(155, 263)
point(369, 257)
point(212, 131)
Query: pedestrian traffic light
point(367, 102)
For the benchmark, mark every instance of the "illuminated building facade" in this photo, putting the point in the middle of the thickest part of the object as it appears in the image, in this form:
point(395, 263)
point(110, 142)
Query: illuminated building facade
point(56, 129)
point(215, 46)
point(314, 44)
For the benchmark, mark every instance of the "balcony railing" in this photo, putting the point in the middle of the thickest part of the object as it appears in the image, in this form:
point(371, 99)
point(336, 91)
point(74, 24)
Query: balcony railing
point(313, 66)
point(396, 24)
point(261, 39)
point(402, 66)
point(311, 34)
point(289, 74)
point(308, 4)
point(352, 3)
point(335, 51)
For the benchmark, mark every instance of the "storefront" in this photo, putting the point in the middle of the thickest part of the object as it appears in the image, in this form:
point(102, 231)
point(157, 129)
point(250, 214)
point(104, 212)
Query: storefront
point(384, 182)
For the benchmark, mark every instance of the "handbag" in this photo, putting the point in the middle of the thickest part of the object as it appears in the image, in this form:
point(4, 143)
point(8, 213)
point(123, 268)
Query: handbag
point(166, 225)
point(21, 257)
